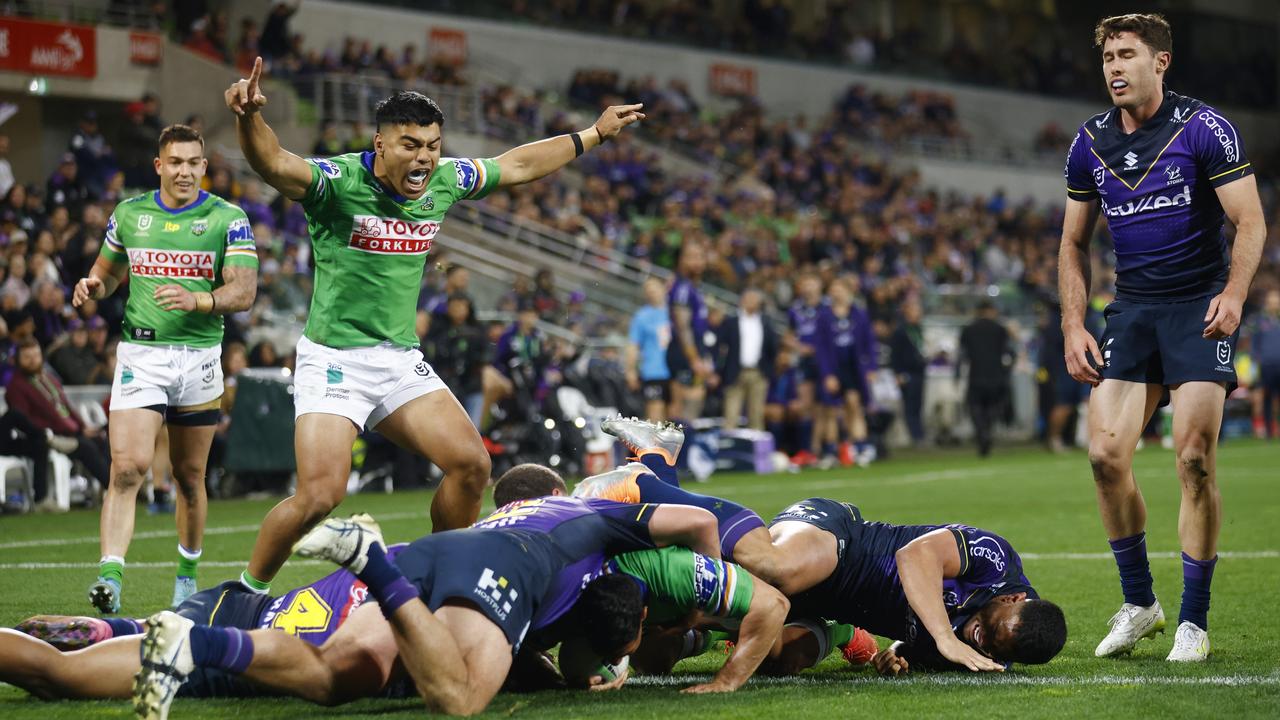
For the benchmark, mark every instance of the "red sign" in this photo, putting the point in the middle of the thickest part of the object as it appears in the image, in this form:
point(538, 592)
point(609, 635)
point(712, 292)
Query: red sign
point(448, 46)
point(145, 48)
point(732, 80)
point(44, 48)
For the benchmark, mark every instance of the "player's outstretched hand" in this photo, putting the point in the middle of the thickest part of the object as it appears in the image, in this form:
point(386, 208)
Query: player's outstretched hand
point(1080, 349)
point(245, 97)
point(887, 662)
point(616, 117)
point(175, 297)
point(89, 288)
point(597, 683)
point(712, 687)
point(1223, 317)
point(961, 653)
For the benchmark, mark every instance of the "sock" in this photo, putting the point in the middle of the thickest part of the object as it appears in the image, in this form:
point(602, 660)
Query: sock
point(122, 627)
point(253, 584)
point(804, 435)
point(659, 466)
point(385, 582)
point(111, 567)
point(188, 562)
point(828, 448)
point(777, 430)
point(840, 635)
point(1135, 572)
point(1196, 577)
point(719, 636)
point(696, 642)
point(224, 648)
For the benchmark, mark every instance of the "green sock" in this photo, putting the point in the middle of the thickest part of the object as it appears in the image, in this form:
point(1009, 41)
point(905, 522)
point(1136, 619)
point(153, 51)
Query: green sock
point(188, 562)
point(839, 635)
point(254, 584)
point(719, 636)
point(111, 567)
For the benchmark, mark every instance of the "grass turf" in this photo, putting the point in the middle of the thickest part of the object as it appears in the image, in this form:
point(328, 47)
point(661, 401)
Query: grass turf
point(1043, 504)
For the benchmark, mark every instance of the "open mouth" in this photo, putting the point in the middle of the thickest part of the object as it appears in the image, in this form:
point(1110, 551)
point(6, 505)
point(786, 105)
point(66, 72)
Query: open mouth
point(1119, 85)
point(416, 180)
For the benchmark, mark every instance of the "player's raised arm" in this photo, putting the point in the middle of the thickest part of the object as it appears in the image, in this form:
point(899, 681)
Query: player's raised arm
point(922, 565)
point(1244, 209)
point(1073, 289)
point(281, 169)
point(537, 159)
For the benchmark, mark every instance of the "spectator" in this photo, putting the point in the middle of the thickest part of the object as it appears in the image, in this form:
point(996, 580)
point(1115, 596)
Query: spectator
point(201, 40)
point(328, 144)
point(747, 346)
point(93, 155)
point(845, 358)
point(908, 363)
point(137, 143)
point(545, 299)
point(75, 361)
point(275, 40)
point(646, 357)
point(1264, 334)
point(6, 169)
point(434, 305)
point(458, 351)
point(21, 438)
point(264, 355)
point(49, 310)
point(66, 188)
point(985, 348)
point(38, 395)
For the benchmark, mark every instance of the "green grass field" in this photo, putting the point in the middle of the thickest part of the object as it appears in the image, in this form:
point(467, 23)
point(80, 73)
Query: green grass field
point(1043, 504)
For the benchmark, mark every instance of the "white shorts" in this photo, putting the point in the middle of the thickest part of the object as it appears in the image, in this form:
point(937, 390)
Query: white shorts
point(171, 375)
point(364, 385)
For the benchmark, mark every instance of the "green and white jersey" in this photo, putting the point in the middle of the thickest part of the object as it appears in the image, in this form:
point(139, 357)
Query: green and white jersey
point(186, 246)
point(370, 246)
point(677, 580)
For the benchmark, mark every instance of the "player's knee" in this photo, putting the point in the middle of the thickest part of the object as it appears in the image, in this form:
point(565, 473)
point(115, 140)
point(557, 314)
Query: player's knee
point(472, 470)
point(190, 477)
point(315, 505)
point(1193, 468)
point(1110, 465)
point(128, 471)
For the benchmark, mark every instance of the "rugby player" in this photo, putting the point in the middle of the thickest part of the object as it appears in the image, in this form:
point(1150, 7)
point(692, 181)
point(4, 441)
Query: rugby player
point(190, 259)
point(845, 346)
point(688, 357)
point(804, 316)
point(459, 603)
point(1165, 169)
point(372, 217)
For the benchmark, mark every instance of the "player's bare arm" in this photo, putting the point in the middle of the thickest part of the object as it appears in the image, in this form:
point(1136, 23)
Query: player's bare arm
point(1243, 208)
point(1078, 222)
point(281, 169)
point(687, 526)
point(760, 629)
point(103, 279)
point(538, 159)
point(239, 287)
point(922, 565)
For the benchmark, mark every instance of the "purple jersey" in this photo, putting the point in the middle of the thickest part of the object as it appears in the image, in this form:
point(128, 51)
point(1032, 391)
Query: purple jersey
point(684, 293)
point(315, 612)
point(804, 321)
point(1156, 186)
point(845, 342)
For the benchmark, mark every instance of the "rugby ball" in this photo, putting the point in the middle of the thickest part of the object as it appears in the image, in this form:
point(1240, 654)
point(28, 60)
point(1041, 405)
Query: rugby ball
point(578, 663)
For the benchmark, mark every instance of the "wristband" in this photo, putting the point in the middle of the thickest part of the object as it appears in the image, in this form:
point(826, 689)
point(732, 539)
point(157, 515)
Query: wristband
point(578, 149)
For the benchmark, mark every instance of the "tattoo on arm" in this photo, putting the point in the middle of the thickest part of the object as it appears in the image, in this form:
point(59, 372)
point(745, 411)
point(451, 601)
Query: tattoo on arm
point(239, 287)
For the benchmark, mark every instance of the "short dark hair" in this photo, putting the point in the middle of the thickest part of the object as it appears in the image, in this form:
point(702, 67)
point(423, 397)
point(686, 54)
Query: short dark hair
point(1041, 632)
point(525, 482)
point(29, 342)
point(408, 107)
point(611, 606)
point(180, 133)
point(1151, 28)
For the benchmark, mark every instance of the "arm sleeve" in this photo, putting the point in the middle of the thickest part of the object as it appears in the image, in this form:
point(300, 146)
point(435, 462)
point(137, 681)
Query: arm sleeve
point(474, 178)
point(1079, 174)
point(688, 580)
point(1218, 147)
point(241, 251)
point(112, 247)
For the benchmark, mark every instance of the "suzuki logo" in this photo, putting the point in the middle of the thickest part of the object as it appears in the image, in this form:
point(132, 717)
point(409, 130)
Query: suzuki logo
point(1130, 159)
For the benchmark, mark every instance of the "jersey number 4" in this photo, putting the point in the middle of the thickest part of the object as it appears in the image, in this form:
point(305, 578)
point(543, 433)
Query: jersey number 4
point(307, 613)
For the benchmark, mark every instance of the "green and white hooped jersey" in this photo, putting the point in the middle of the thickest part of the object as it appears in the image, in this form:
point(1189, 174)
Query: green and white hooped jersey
point(187, 246)
point(370, 245)
point(677, 580)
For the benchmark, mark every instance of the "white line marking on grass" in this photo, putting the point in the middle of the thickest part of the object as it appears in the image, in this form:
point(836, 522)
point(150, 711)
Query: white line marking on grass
point(972, 680)
point(161, 534)
point(1230, 554)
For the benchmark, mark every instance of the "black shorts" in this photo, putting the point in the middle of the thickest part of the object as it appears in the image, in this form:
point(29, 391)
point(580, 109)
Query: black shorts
point(678, 365)
point(809, 372)
point(1163, 344)
point(501, 573)
point(656, 390)
point(227, 605)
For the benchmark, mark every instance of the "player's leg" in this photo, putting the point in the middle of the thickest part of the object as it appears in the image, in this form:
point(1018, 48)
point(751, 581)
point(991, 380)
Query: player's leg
point(132, 434)
point(805, 643)
point(1197, 417)
point(322, 444)
point(804, 408)
point(191, 432)
point(100, 672)
point(809, 551)
point(457, 635)
point(1118, 410)
point(436, 427)
point(75, 632)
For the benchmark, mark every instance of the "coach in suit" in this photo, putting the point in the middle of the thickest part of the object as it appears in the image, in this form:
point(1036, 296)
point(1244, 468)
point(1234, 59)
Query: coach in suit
point(746, 346)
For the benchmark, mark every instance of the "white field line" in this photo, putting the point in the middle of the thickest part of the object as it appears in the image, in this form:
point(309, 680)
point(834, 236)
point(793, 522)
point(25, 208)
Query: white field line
point(974, 680)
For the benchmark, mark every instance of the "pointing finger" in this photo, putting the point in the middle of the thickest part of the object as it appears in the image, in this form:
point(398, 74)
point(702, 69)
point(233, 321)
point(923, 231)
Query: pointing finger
point(257, 72)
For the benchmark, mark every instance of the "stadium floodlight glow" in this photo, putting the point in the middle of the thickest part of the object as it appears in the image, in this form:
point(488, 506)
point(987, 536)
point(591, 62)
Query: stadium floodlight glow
point(554, 461)
point(286, 372)
point(579, 423)
point(549, 424)
point(38, 86)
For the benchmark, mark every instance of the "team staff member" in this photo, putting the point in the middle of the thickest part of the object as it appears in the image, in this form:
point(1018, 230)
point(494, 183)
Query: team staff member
point(1165, 169)
point(190, 259)
point(646, 363)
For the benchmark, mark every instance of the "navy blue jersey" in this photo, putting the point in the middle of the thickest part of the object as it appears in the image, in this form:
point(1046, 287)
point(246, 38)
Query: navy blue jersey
point(1156, 186)
point(804, 321)
point(845, 342)
point(684, 293)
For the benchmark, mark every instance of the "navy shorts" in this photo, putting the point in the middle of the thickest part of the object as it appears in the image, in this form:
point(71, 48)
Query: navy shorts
point(1162, 344)
point(809, 369)
point(1068, 391)
point(851, 378)
point(227, 605)
point(501, 573)
point(656, 390)
point(678, 365)
point(838, 518)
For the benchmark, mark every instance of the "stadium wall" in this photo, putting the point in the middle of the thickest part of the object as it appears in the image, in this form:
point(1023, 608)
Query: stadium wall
point(547, 58)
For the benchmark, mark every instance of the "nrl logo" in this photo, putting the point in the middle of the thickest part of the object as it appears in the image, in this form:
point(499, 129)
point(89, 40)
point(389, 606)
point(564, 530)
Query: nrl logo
point(199, 227)
point(1099, 174)
point(1224, 352)
point(144, 222)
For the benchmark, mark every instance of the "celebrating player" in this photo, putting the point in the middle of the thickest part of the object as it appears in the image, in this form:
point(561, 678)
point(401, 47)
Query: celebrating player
point(372, 217)
point(1164, 169)
point(192, 259)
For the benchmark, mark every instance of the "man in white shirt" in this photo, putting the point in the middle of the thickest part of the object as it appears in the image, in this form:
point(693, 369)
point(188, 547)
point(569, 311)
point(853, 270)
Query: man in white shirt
point(749, 344)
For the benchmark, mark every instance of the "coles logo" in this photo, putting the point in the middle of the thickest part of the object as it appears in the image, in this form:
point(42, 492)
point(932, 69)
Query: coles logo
point(389, 236)
point(171, 263)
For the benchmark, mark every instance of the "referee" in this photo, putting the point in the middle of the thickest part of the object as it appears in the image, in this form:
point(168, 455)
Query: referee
point(1165, 170)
